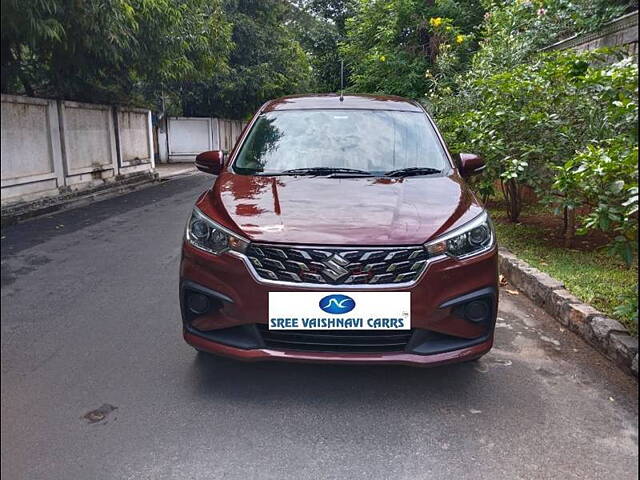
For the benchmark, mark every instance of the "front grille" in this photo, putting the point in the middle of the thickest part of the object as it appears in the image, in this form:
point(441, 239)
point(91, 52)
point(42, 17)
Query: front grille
point(354, 341)
point(337, 266)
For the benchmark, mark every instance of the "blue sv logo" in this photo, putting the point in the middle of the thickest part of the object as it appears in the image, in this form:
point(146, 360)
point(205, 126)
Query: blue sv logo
point(337, 304)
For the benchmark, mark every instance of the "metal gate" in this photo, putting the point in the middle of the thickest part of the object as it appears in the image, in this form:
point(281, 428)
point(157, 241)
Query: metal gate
point(188, 136)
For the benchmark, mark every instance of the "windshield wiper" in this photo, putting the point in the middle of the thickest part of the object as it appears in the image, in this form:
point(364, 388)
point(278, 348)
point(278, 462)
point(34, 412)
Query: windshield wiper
point(323, 171)
point(406, 172)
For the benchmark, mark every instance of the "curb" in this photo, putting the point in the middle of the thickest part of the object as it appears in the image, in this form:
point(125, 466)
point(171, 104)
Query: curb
point(607, 335)
point(176, 173)
point(15, 213)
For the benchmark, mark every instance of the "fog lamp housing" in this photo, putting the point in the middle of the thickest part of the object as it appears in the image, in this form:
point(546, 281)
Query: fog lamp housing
point(198, 303)
point(477, 311)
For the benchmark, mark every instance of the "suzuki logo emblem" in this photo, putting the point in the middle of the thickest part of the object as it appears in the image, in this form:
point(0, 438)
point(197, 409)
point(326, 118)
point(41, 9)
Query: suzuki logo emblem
point(335, 267)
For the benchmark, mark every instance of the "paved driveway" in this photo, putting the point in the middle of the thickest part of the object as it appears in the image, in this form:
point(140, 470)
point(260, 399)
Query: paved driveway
point(90, 319)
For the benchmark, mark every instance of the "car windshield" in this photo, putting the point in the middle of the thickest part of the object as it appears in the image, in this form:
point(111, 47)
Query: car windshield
point(363, 141)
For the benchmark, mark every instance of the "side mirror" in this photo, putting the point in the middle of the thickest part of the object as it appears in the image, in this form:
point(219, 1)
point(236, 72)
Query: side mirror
point(210, 162)
point(469, 163)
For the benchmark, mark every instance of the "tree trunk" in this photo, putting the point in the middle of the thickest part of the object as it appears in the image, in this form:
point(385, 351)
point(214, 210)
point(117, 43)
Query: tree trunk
point(570, 229)
point(513, 195)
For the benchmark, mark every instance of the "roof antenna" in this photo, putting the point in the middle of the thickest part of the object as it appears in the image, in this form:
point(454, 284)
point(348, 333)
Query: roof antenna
point(341, 80)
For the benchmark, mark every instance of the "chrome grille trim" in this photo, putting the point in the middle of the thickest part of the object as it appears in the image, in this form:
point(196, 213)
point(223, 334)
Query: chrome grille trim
point(330, 267)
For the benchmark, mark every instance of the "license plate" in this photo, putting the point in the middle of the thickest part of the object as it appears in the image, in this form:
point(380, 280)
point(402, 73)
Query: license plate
point(339, 311)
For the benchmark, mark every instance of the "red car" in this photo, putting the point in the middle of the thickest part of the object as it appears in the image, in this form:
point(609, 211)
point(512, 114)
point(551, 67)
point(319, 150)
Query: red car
point(340, 229)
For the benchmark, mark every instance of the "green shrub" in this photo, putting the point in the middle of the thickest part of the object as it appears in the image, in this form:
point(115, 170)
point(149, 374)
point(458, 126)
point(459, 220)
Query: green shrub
point(532, 119)
point(514, 30)
point(628, 307)
point(602, 182)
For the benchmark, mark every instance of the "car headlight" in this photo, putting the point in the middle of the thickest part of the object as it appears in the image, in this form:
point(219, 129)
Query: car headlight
point(473, 238)
point(207, 235)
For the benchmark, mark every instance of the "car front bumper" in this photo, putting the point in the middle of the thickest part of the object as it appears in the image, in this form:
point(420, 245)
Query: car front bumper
point(234, 326)
point(387, 358)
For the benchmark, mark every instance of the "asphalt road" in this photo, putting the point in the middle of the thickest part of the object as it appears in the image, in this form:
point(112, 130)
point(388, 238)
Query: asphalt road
point(90, 318)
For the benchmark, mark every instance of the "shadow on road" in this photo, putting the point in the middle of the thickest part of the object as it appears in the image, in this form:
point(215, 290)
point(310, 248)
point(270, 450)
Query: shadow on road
point(29, 234)
point(215, 377)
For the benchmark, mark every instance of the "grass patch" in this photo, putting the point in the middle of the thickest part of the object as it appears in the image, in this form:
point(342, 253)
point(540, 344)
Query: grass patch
point(589, 273)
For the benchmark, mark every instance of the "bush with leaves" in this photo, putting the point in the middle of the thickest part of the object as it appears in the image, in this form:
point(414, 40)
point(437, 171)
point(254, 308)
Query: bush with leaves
point(533, 118)
point(513, 31)
point(602, 182)
point(628, 307)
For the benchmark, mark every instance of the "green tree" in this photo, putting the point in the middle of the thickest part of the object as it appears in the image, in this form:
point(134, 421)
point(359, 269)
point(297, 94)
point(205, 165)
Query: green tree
point(320, 28)
point(112, 50)
point(335, 11)
point(397, 46)
point(266, 62)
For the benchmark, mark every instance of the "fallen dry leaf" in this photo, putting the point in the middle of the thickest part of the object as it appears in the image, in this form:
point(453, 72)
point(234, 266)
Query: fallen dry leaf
point(512, 292)
point(502, 280)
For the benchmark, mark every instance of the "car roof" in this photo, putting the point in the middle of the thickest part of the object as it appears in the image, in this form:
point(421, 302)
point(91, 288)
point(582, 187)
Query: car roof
point(332, 101)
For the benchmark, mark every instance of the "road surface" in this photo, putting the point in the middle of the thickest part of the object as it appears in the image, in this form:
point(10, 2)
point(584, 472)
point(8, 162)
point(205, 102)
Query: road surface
point(90, 320)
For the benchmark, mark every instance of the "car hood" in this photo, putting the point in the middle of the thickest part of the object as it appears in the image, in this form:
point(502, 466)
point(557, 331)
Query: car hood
point(340, 211)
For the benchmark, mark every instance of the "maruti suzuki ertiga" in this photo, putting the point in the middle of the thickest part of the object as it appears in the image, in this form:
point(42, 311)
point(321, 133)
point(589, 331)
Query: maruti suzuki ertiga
point(340, 230)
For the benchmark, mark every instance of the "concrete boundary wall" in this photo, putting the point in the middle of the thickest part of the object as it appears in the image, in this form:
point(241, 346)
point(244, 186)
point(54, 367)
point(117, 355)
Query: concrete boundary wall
point(134, 139)
point(51, 147)
point(622, 31)
point(31, 149)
